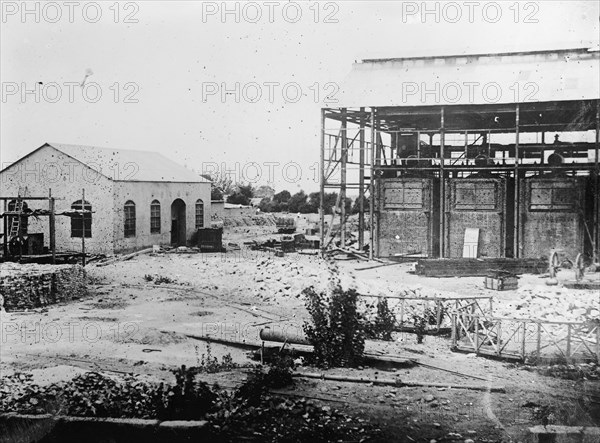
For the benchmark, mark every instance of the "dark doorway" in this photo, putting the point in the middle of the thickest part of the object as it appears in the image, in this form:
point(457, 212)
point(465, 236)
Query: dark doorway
point(178, 237)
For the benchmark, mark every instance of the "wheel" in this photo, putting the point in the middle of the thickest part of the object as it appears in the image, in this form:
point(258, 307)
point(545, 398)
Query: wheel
point(553, 265)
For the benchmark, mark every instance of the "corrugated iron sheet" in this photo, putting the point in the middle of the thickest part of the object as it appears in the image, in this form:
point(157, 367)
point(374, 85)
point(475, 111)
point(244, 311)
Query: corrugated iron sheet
point(543, 76)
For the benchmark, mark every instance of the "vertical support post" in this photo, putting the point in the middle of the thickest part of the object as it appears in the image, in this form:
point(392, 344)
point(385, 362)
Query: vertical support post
point(438, 311)
point(517, 218)
point(402, 313)
point(476, 338)
point(5, 221)
point(83, 228)
point(344, 161)
point(442, 188)
point(372, 188)
point(499, 347)
point(568, 340)
point(20, 237)
point(539, 340)
point(523, 340)
point(322, 184)
point(598, 342)
point(361, 181)
point(596, 246)
point(453, 331)
point(52, 225)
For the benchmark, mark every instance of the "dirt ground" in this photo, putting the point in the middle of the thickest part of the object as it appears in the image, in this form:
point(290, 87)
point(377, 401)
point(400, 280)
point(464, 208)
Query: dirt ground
point(130, 324)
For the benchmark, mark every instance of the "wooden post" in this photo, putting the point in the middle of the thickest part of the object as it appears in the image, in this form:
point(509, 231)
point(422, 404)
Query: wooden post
point(5, 221)
point(517, 199)
point(401, 313)
point(499, 337)
point(372, 188)
point(523, 340)
point(83, 228)
point(322, 184)
point(598, 342)
point(596, 246)
point(52, 225)
point(539, 339)
point(442, 188)
point(344, 161)
point(568, 340)
point(476, 338)
point(361, 182)
point(438, 306)
point(453, 332)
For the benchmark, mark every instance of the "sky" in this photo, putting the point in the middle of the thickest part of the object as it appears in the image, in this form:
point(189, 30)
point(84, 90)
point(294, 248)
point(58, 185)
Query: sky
point(234, 86)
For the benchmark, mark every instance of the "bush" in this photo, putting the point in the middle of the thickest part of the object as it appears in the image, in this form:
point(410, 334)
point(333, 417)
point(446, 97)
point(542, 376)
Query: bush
point(337, 330)
point(383, 326)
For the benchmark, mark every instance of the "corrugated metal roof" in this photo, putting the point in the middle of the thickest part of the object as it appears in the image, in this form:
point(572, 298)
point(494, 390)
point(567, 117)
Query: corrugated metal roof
point(561, 75)
point(129, 165)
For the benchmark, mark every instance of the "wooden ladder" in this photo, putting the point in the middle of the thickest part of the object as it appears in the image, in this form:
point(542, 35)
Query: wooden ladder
point(15, 226)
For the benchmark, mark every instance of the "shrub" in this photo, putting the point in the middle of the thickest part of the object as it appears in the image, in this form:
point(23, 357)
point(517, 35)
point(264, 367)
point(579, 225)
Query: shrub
point(383, 325)
point(337, 330)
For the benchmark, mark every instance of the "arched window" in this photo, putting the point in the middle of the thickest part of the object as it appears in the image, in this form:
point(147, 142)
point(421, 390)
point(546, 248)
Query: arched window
point(23, 220)
point(129, 213)
point(81, 224)
point(155, 217)
point(199, 214)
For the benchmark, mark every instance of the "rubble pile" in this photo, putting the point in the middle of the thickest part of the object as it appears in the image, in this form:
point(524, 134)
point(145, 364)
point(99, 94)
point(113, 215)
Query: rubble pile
point(33, 286)
point(275, 277)
point(539, 302)
point(249, 220)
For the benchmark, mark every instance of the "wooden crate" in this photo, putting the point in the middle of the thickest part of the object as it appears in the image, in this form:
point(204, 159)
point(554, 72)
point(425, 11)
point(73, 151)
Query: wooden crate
point(500, 282)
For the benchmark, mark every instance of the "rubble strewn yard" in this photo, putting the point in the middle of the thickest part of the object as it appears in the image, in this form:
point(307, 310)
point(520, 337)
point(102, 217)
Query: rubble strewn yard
point(141, 315)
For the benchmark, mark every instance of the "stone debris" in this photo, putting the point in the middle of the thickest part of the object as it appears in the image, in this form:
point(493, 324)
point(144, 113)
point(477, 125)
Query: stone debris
point(30, 286)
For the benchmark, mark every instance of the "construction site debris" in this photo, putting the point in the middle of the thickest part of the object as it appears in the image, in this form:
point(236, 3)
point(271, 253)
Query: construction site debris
point(32, 286)
point(465, 267)
point(398, 382)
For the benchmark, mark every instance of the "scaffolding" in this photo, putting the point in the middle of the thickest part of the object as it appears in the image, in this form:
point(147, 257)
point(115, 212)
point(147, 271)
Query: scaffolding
point(13, 222)
point(455, 142)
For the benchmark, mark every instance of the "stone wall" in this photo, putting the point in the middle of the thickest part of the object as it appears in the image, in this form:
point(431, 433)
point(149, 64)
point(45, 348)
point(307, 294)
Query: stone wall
point(33, 286)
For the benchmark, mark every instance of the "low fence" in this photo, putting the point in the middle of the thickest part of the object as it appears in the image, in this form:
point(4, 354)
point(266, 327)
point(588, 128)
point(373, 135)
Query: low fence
point(525, 338)
point(437, 310)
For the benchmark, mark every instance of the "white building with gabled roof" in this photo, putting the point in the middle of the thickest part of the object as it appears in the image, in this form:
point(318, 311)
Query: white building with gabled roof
point(137, 198)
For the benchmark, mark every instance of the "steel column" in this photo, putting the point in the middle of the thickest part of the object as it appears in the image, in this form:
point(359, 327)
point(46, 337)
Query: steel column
point(343, 160)
point(322, 184)
point(52, 225)
point(442, 189)
point(372, 187)
point(596, 246)
point(361, 182)
point(517, 199)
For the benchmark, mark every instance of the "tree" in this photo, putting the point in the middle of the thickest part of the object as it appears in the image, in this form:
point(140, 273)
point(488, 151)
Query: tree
point(215, 193)
point(268, 205)
point(264, 191)
point(246, 190)
point(242, 195)
point(330, 201)
point(220, 184)
point(355, 208)
point(282, 197)
point(297, 202)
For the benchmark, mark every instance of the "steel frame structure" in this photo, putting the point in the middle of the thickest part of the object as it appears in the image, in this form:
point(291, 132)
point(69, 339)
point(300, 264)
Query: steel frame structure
point(519, 160)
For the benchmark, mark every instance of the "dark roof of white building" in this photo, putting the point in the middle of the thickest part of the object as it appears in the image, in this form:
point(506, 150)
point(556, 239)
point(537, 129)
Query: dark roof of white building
point(128, 165)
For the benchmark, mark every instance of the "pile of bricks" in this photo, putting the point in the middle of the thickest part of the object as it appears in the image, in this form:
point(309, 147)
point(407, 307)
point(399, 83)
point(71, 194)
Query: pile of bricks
point(33, 286)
